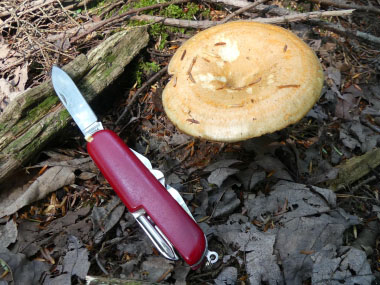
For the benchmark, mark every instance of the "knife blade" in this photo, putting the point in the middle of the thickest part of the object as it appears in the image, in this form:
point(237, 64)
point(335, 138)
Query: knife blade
point(159, 209)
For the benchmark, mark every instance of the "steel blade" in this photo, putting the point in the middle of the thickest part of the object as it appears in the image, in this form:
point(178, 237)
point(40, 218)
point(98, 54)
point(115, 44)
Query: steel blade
point(73, 100)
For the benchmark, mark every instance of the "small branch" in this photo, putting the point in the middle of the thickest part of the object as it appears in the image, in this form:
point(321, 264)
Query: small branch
point(242, 10)
point(344, 5)
point(338, 29)
point(146, 84)
point(274, 20)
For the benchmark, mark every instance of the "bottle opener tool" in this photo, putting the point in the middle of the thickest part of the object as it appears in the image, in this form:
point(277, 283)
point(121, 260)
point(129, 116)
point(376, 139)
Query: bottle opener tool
point(158, 208)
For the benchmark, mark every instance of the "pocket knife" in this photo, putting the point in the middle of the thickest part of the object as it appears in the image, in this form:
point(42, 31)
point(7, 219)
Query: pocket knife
point(158, 208)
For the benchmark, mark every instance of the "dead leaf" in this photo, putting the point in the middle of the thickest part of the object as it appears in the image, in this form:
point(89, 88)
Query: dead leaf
point(221, 164)
point(219, 175)
point(75, 263)
point(31, 237)
point(13, 85)
point(23, 270)
point(346, 265)
point(334, 75)
point(180, 273)
point(228, 276)
point(51, 180)
point(4, 50)
point(273, 164)
point(310, 223)
point(261, 263)
point(346, 107)
point(250, 177)
point(225, 202)
point(348, 140)
point(76, 259)
point(20, 77)
point(8, 233)
point(105, 218)
point(154, 268)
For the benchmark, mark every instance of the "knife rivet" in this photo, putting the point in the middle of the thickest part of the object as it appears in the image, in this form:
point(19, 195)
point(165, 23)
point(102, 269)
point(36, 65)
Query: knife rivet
point(89, 138)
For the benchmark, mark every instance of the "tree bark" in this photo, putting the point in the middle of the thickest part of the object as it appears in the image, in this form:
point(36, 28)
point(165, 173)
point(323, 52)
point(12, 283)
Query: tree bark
point(36, 115)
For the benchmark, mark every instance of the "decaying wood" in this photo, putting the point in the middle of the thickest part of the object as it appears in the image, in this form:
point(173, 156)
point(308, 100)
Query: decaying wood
point(36, 115)
point(97, 280)
point(355, 168)
point(275, 20)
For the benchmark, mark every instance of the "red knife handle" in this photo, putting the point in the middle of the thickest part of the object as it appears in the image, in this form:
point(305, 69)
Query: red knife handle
point(138, 188)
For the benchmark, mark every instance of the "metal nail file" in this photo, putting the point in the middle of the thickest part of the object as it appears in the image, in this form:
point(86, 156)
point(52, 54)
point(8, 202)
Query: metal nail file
point(158, 208)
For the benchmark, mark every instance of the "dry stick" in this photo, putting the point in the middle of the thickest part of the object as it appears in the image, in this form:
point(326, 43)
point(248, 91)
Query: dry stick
point(274, 20)
point(344, 5)
point(118, 17)
point(242, 10)
point(338, 29)
point(147, 83)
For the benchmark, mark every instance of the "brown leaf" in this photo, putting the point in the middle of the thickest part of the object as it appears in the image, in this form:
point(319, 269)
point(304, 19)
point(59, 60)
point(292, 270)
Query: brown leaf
point(51, 180)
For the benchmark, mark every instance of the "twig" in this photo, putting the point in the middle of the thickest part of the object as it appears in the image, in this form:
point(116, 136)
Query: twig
point(216, 205)
point(274, 20)
point(36, 5)
point(147, 83)
point(233, 3)
point(110, 7)
point(338, 29)
point(78, 5)
point(344, 5)
point(242, 10)
point(100, 264)
point(279, 11)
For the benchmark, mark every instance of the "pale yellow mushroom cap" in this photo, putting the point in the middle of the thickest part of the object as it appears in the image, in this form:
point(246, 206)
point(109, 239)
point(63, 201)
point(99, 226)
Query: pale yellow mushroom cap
point(241, 80)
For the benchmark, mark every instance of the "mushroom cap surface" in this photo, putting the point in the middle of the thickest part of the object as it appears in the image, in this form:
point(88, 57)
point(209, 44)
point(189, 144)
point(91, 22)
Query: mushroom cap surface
point(241, 80)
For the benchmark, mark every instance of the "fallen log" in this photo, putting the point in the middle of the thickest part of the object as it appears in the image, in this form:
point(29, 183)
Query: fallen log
point(36, 116)
point(354, 169)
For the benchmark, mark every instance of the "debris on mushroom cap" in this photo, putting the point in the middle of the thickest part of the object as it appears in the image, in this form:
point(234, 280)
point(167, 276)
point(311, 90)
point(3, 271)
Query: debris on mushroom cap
point(241, 80)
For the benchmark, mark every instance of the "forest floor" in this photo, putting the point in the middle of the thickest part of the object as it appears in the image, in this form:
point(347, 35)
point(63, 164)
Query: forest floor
point(265, 204)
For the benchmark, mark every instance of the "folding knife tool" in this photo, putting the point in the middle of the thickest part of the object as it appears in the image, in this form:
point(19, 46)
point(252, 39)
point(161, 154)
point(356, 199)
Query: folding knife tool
point(158, 209)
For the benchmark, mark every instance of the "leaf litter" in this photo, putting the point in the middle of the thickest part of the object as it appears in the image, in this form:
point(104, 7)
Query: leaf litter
point(265, 230)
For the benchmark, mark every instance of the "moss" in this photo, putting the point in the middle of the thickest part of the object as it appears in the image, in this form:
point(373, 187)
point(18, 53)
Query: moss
point(2, 126)
point(145, 68)
point(35, 114)
point(110, 58)
point(63, 116)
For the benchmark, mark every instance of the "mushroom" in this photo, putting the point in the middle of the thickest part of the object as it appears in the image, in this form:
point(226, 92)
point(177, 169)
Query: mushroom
point(241, 80)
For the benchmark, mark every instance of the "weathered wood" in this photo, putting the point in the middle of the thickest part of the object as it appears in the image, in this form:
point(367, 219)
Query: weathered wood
point(36, 115)
point(355, 168)
point(96, 280)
